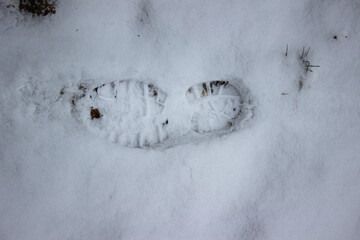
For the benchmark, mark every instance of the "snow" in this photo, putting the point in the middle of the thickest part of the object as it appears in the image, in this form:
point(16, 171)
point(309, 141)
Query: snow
point(291, 172)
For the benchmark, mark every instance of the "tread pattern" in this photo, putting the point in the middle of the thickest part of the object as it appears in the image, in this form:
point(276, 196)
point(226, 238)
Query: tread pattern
point(127, 112)
point(216, 105)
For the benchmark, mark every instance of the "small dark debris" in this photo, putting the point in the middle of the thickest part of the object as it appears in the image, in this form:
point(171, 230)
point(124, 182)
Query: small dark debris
point(62, 91)
point(138, 35)
point(345, 36)
point(335, 37)
point(234, 109)
point(77, 29)
point(96, 89)
point(211, 87)
point(284, 93)
point(204, 87)
point(220, 83)
point(79, 95)
point(94, 113)
point(166, 122)
point(10, 5)
point(152, 91)
point(230, 124)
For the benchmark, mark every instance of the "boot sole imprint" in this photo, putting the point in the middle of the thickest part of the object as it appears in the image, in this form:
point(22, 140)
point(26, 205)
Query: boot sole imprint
point(126, 111)
point(132, 112)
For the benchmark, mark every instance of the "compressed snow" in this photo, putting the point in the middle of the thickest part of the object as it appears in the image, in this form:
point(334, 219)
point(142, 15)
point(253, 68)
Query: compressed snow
point(291, 172)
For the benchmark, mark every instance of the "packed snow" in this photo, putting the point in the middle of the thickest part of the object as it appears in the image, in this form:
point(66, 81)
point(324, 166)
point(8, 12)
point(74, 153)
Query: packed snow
point(290, 169)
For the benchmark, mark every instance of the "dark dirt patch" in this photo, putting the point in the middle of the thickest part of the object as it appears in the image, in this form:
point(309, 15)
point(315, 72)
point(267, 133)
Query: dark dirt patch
point(38, 7)
point(94, 113)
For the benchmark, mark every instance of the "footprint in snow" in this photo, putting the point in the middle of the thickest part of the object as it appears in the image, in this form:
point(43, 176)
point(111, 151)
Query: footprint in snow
point(134, 113)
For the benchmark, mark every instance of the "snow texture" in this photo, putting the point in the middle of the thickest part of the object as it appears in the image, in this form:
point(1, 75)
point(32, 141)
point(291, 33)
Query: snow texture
point(291, 170)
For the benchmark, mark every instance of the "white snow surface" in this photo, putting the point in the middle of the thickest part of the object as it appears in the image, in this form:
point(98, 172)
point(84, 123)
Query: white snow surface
point(291, 172)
